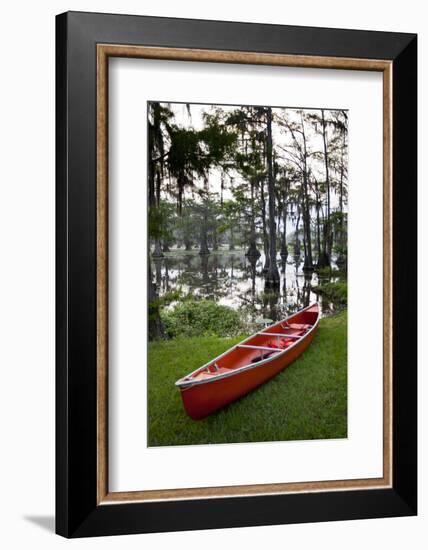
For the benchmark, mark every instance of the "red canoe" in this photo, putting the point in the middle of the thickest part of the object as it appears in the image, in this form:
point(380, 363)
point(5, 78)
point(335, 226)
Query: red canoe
point(248, 364)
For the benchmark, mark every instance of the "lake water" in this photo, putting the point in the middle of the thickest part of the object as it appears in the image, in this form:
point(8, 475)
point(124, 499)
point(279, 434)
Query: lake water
point(231, 279)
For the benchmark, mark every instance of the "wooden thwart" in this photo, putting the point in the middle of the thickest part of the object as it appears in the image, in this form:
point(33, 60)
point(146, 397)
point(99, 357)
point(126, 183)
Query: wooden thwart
point(281, 335)
point(264, 348)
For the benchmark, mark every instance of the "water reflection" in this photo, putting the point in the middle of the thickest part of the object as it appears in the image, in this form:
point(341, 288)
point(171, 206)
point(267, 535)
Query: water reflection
point(232, 279)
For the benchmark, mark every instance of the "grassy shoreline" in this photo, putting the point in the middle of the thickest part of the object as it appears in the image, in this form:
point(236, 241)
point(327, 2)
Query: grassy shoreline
point(308, 400)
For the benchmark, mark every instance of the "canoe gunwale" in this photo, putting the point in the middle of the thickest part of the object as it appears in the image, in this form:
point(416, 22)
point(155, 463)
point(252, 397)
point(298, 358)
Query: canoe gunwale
point(184, 384)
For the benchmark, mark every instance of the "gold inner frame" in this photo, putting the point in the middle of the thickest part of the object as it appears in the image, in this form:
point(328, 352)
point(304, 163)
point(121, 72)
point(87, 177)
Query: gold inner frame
point(104, 52)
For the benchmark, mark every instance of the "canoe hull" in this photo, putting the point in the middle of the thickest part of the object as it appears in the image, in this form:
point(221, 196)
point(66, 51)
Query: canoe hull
point(200, 400)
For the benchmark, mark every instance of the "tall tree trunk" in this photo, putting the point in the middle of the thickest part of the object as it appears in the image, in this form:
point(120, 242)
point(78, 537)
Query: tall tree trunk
point(158, 275)
point(232, 239)
point(155, 324)
point(204, 269)
point(306, 291)
point(324, 260)
point(318, 199)
point(304, 232)
point(215, 237)
point(166, 277)
point(318, 235)
point(264, 228)
point(158, 253)
point(297, 228)
point(252, 251)
point(203, 249)
point(341, 259)
point(272, 276)
point(151, 178)
point(253, 273)
point(308, 265)
point(284, 249)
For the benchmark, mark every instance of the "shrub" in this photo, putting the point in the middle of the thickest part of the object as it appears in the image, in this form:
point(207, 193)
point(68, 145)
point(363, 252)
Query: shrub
point(331, 272)
point(335, 292)
point(201, 318)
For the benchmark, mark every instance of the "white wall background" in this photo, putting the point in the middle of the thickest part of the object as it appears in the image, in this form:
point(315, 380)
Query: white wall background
point(27, 273)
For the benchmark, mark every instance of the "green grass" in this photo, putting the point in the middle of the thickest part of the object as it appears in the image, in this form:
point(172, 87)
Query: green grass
point(308, 400)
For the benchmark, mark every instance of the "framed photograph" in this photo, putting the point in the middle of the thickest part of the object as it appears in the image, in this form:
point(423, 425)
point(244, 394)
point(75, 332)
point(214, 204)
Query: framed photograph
point(236, 274)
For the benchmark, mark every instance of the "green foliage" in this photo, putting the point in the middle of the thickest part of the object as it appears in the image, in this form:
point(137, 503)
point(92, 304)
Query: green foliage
point(334, 292)
point(219, 142)
point(194, 152)
point(155, 223)
point(201, 318)
point(185, 225)
point(159, 118)
point(331, 272)
point(153, 310)
point(162, 302)
point(186, 154)
point(170, 296)
point(230, 212)
point(308, 400)
point(161, 221)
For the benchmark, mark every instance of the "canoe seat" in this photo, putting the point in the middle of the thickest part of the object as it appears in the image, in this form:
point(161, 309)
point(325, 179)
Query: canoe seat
point(296, 326)
point(280, 335)
point(264, 348)
point(301, 326)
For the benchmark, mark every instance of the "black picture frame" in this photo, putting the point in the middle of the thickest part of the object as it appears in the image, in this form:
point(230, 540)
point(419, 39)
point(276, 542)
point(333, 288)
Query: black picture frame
point(77, 511)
